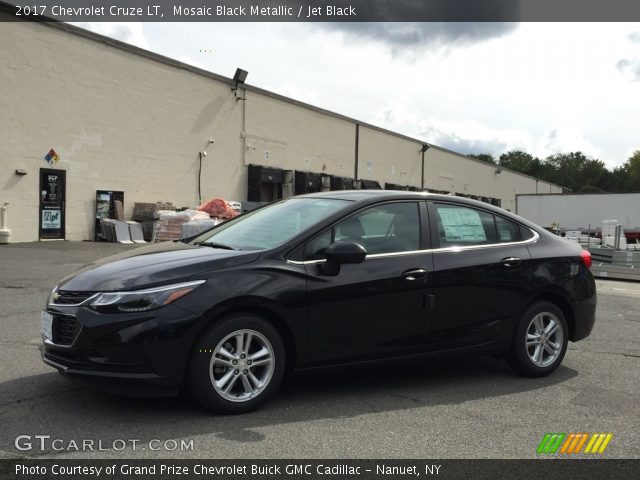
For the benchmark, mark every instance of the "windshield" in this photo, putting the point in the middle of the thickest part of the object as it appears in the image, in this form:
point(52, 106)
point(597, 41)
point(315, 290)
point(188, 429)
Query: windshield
point(273, 225)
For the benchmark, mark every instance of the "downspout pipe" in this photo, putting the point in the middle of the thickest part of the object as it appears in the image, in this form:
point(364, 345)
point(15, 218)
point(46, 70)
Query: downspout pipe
point(355, 170)
point(424, 148)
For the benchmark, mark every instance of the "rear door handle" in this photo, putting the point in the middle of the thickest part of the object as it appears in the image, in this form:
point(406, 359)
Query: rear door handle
point(511, 261)
point(414, 274)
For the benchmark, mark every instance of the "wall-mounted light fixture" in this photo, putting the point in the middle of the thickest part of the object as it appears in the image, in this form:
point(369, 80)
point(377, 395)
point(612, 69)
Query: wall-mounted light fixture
point(239, 77)
point(21, 171)
point(498, 170)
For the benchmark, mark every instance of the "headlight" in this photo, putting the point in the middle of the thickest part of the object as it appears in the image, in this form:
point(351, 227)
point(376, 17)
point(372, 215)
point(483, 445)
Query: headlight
point(50, 297)
point(143, 300)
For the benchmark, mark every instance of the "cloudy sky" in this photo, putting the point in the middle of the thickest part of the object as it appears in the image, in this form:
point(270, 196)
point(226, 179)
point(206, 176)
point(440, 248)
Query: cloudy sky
point(474, 88)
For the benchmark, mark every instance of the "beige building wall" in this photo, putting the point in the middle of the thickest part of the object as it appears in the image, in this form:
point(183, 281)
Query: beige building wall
point(450, 172)
point(389, 159)
point(289, 136)
point(118, 121)
point(121, 118)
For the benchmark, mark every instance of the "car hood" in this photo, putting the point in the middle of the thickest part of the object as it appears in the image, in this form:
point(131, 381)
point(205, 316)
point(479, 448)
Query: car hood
point(153, 265)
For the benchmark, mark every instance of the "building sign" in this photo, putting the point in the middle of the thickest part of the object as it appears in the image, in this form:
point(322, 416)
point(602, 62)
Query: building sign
point(50, 194)
point(51, 219)
point(51, 158)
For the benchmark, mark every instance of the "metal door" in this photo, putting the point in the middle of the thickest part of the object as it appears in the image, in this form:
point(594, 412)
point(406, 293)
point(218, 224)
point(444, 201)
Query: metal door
point(52, 203)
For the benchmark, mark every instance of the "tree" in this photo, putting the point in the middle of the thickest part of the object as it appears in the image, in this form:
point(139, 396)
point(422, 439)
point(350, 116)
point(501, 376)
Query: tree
point(485, 157)
point(576, 171)
point(573, 170)
point(621, 180)
point(634, 172)
point(626, 177)
point(521, 162)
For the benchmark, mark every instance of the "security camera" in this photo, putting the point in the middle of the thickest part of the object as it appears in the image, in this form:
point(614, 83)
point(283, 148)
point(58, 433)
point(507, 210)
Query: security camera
point(204, 154)
point(211, 140)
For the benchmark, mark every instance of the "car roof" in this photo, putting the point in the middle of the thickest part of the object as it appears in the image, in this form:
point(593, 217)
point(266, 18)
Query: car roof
point(372, 196)
point(367, 196)
point(361, 195)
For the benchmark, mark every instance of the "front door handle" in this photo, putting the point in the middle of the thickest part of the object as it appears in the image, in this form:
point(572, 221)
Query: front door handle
point(414, 274)
point(511, 261)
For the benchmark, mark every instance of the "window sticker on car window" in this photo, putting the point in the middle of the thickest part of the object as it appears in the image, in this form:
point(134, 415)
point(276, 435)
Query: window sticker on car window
point(461, 224)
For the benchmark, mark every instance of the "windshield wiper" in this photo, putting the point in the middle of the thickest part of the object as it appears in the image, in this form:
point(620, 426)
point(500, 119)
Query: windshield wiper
point(215, 245)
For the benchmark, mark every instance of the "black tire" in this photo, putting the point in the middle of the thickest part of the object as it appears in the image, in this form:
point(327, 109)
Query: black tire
point(522, 358)
point(204, 369)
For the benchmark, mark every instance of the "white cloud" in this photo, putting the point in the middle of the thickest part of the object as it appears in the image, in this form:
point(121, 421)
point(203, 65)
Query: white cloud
point(630, 68)
point(630, 151)
point(403, 35)
point(396, 114)
point(469, 136)
point(129, 32)
point(564, 139)
point(190, 61)
point(296, 92)
point(464, 136)
point(537, 87)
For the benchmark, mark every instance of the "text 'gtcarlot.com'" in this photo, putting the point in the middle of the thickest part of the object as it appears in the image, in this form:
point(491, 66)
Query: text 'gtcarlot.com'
point(45, 443)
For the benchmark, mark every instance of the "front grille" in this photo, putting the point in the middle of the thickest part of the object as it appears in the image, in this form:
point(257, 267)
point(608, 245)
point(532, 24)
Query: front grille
point(65, 329)
point(63, 297)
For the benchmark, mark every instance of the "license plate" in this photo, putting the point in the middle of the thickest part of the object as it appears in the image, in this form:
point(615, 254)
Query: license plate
point(46, 321)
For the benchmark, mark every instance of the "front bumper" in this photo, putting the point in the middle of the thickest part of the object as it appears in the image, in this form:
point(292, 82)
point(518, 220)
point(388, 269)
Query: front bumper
point(128, 353)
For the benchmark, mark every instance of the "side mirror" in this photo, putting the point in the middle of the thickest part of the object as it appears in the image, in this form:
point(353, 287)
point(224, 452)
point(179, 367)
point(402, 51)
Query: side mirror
point(340, 253)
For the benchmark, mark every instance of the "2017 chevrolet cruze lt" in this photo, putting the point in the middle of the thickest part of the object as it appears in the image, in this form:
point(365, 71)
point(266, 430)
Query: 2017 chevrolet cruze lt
point(321, 279)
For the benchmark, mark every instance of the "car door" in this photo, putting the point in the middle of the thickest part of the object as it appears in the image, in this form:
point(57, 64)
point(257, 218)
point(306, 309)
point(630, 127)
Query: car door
point(379, 307)
point(480, 275)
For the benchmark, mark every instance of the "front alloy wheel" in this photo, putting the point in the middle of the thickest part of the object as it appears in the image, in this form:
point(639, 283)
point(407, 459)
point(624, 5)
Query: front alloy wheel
point(237, 364)
point(241, 365)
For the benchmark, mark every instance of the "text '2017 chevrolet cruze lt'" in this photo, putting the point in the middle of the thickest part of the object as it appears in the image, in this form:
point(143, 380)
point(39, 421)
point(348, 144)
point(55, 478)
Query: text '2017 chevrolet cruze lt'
point(321, 279)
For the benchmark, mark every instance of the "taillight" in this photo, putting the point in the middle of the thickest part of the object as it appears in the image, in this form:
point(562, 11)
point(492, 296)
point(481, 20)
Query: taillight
point(586, 258)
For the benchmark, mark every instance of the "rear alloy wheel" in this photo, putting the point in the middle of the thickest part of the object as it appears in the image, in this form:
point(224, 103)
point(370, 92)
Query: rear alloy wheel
point(540, 341)
point(237, 365)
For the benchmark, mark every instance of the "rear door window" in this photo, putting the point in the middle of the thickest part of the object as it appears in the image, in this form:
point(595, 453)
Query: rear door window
point(462, 226)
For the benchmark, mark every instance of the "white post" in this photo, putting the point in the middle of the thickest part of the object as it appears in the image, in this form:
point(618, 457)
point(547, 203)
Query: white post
point(5, 233)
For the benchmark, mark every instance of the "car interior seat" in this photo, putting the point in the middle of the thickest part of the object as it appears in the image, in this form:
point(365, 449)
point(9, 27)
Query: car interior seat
point(351, 230)
point(406, 234)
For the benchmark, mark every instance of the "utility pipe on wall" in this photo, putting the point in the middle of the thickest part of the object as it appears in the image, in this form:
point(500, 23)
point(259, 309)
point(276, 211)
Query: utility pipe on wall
point(424, 148)
point(355, 168)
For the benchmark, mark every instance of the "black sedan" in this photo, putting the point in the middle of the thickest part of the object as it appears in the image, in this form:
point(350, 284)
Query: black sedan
point(321, 279)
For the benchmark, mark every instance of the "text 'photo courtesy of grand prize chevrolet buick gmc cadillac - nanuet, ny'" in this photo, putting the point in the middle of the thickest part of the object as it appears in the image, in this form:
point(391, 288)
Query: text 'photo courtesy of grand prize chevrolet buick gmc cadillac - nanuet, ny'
point(316, 280)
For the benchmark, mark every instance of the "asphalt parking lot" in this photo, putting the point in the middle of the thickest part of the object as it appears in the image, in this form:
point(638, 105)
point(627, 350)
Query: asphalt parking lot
point(446, 408)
